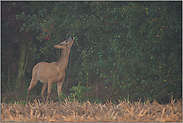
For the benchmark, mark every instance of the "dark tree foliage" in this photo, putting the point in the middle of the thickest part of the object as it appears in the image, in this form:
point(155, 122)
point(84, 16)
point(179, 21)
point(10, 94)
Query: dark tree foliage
point(132, 49)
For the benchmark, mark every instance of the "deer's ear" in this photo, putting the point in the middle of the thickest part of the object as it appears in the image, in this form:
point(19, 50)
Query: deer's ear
point(60, 44)
point(72, 37)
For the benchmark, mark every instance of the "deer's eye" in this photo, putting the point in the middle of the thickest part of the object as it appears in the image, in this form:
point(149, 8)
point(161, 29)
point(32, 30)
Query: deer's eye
point(66, 41)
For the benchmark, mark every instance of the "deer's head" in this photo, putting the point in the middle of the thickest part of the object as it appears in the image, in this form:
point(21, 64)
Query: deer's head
point(65, 44)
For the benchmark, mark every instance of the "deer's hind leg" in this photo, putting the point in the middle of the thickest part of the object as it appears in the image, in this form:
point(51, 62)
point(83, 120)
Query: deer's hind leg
point(31, 86)
point(45, 85)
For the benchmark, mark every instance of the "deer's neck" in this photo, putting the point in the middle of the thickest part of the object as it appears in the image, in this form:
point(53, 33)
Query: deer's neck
point(62, 63)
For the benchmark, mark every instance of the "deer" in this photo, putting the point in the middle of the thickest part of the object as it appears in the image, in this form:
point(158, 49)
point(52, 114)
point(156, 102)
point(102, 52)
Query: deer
point(49, 73)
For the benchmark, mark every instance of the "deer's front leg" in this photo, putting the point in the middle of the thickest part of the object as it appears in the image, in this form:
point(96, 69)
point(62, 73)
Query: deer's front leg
point(49, 89)
point(45, 85)
point(59, 88)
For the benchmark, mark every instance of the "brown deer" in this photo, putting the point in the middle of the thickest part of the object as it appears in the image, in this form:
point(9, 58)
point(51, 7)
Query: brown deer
point(49, 73)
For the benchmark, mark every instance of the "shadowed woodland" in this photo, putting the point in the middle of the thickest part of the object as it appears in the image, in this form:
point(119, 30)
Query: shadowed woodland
point(122, 50)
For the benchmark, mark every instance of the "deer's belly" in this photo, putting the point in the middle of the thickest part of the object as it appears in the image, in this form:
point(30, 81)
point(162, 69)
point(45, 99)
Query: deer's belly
point(43, 79)
point(51, 78)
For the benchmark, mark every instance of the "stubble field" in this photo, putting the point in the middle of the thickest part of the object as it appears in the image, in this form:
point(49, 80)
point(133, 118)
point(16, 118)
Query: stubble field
point(91, 112)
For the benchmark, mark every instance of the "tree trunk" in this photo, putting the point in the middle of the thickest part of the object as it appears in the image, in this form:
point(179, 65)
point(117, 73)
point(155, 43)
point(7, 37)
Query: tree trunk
point(9, 75)
point(20, 82)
